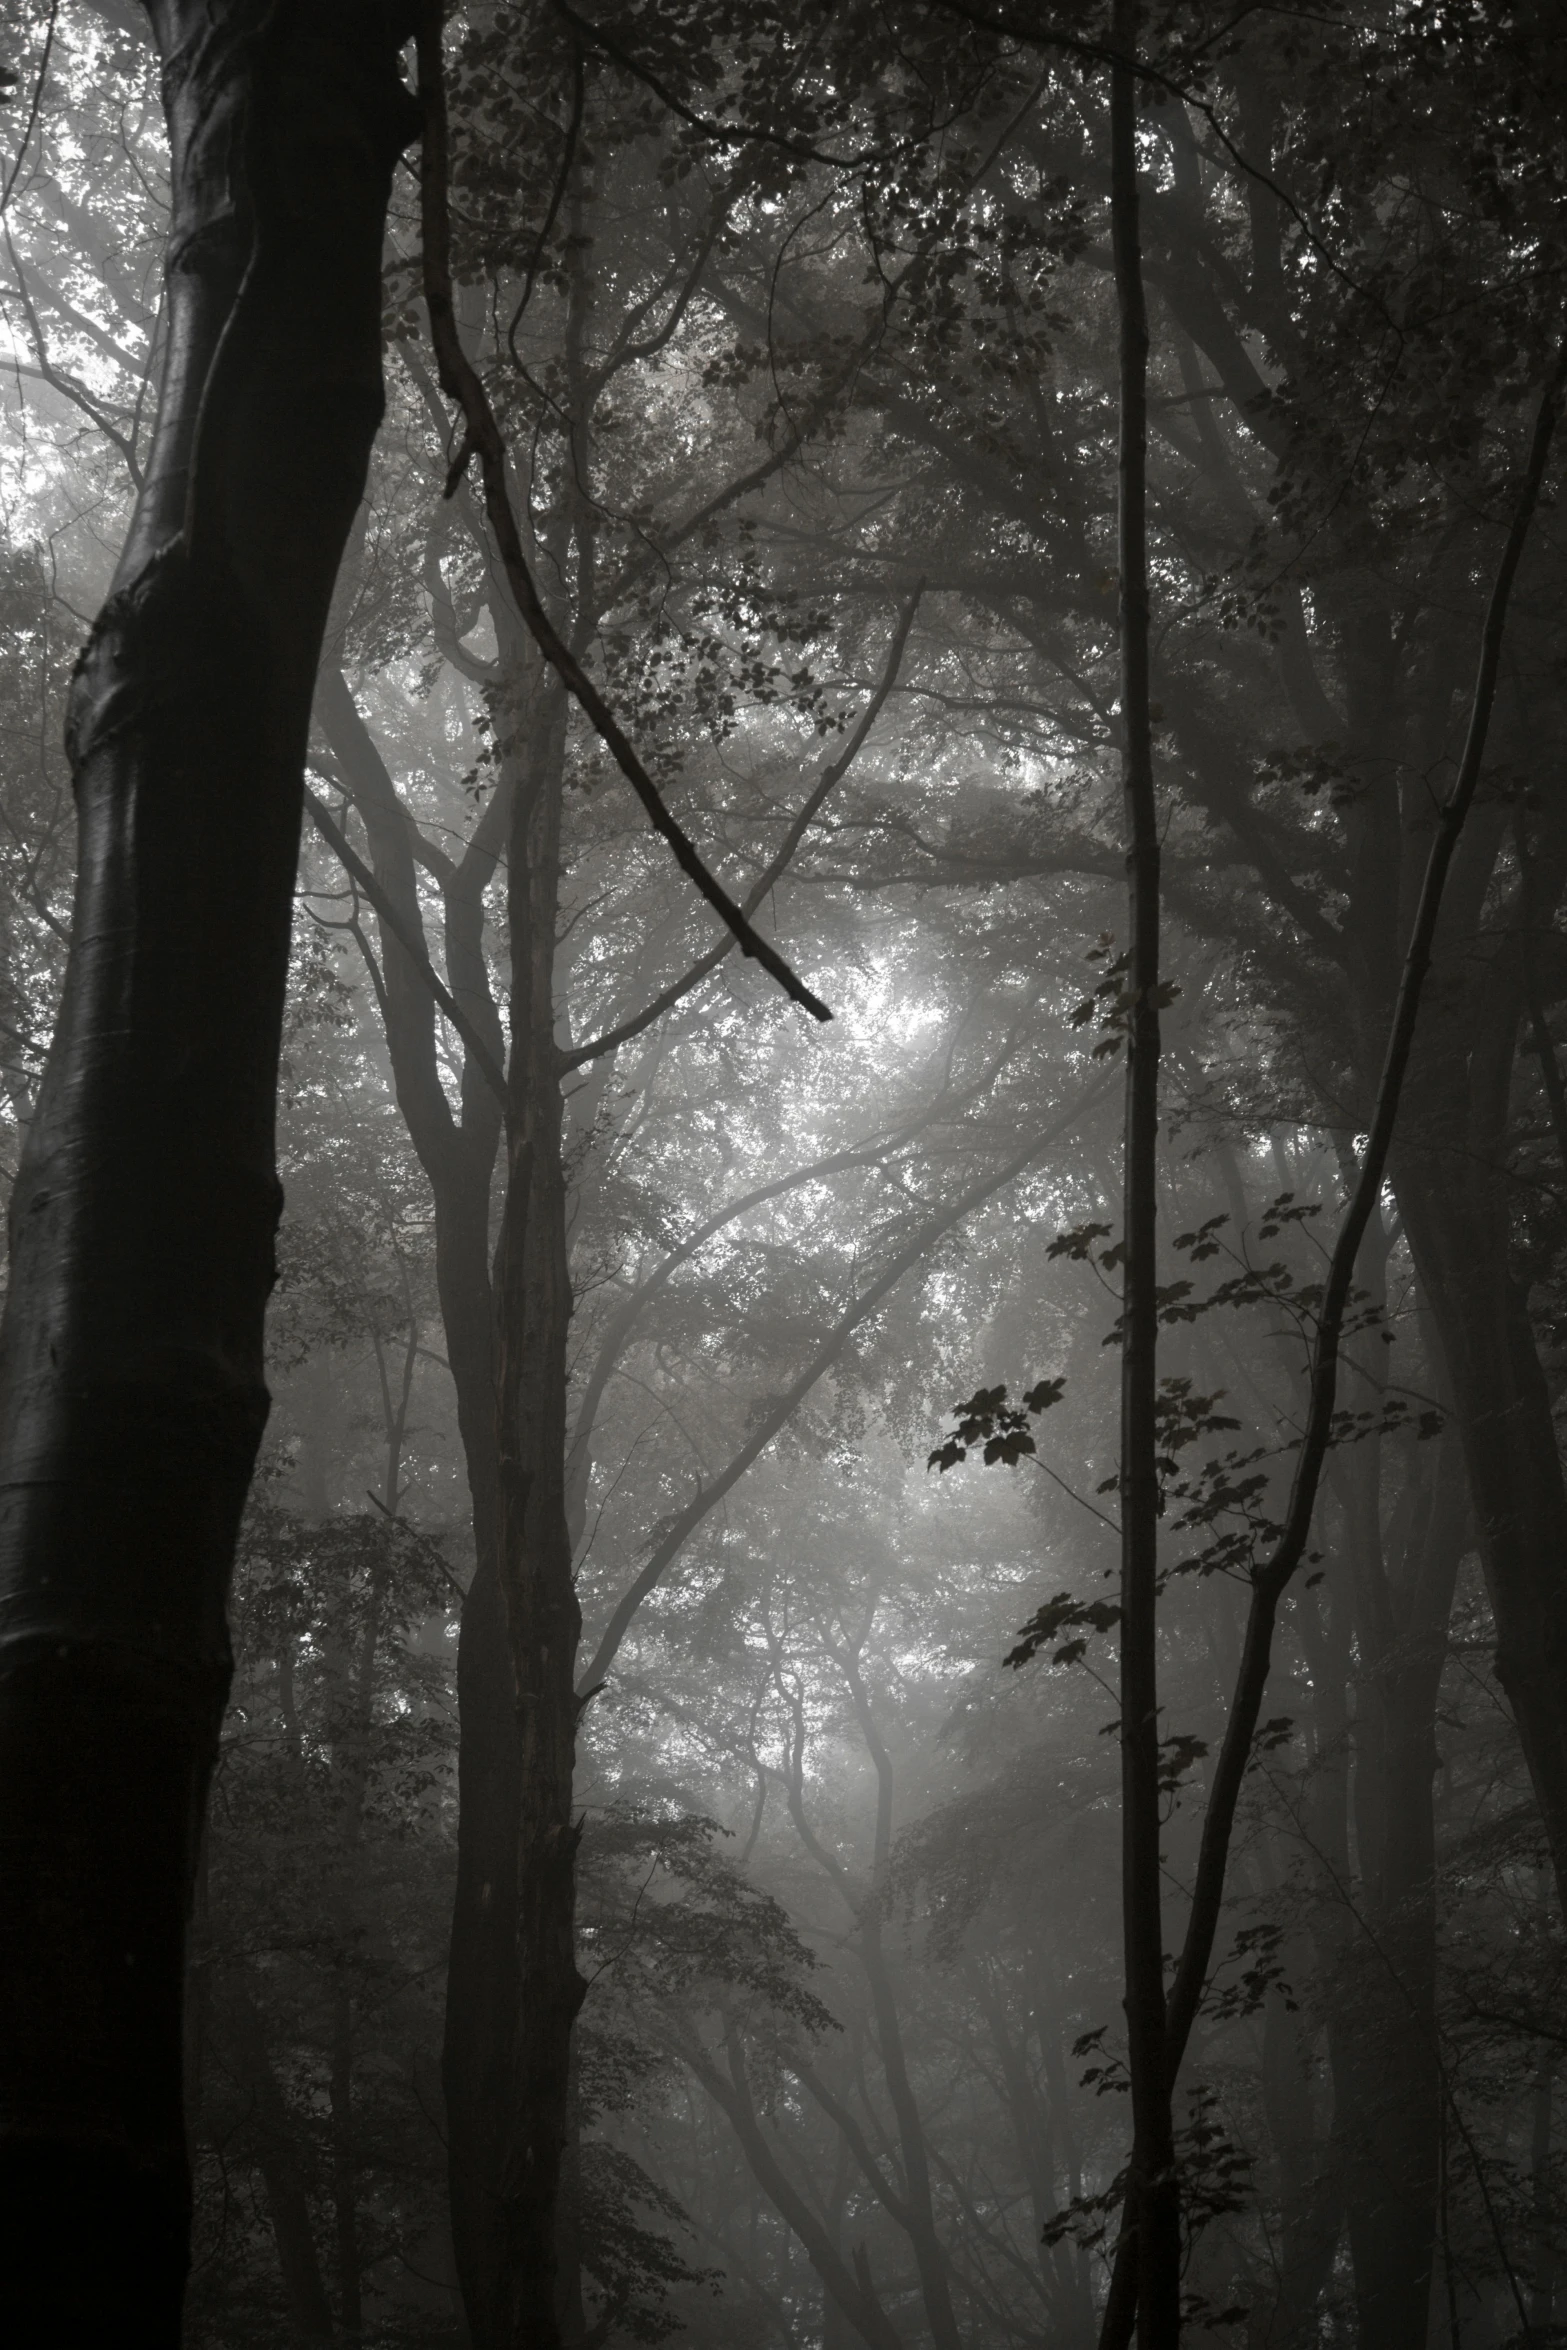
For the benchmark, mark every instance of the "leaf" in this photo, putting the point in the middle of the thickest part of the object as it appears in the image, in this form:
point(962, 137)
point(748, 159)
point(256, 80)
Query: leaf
point(1077, 1241)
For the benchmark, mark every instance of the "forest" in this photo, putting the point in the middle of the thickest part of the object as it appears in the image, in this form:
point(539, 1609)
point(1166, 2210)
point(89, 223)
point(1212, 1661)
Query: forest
point(783, 992)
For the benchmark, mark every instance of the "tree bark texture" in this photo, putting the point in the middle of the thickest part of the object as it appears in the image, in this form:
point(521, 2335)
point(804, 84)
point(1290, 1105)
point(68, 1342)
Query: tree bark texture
point(131, 1391)
point(537, 1592)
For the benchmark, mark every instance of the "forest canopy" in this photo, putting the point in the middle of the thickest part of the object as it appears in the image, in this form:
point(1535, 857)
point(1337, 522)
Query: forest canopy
point(783, 1538)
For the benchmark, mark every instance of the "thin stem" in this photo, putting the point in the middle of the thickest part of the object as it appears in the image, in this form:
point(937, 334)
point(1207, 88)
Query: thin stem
point(1153, 2208)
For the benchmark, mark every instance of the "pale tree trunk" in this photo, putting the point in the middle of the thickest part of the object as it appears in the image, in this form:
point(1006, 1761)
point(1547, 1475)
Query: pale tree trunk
point(131, 1392)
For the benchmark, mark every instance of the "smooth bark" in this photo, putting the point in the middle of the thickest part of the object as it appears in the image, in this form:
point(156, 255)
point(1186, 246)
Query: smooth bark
point(538, 1596)
point(131, 1390)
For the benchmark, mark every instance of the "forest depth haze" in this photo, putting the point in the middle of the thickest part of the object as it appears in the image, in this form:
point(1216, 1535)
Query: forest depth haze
point(783, 984)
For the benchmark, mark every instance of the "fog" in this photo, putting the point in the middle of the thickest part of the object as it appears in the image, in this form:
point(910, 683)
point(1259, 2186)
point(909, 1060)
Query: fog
point(899, 1625)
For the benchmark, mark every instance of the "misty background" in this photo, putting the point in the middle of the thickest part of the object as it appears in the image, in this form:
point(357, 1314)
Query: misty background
point(808, 382)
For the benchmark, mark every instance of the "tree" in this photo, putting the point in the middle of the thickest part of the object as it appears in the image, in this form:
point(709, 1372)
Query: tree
point(131, 1395)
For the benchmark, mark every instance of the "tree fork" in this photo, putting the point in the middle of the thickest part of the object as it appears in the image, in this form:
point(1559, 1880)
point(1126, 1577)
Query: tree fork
point(132, 1397)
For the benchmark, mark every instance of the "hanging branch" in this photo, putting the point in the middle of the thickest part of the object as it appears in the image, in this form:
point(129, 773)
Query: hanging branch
point(482, 438)
point(831, 776)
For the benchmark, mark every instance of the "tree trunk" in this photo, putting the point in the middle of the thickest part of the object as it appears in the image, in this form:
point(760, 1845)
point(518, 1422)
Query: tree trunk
point(851, 2288)
point(131, 1391)
point(277, 2159)
point(1311, 2192)
point(1456, 1219)
point(538, 1595)
point(458, 1157)
point(1395, 2259)
point(1152, 2193)
point(919, 2213)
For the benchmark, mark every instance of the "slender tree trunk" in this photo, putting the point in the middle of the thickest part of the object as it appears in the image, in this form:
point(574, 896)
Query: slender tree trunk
point(1153, 2201)
point(543, 1621)
point(1311, 2193)
point(851, 2288)
point(458, 1157)
point(345, 2167)
point(1394, 2222)
point(1270, 1578)
point(131, 1391)
point(277, 2159)
point(930, 2258)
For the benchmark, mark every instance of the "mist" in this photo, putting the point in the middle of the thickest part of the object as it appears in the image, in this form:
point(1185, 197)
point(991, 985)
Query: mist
point(783, 1541)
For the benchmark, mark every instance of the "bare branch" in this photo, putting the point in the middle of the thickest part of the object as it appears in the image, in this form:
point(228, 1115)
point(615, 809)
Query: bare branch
point(831, 776)
point(332, 833)
point(936, 1228)
point(482, 438)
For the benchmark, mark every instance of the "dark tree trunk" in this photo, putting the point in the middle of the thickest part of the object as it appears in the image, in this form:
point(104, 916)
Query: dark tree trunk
point(277, 2159)
point(131, 1390)
point(1452, 1182)
point(1152, 2218)
point(1459, 1239)
point(458, 1157)
point(478, 2050)
point(850, 2288)
point(1403, 1638)
point(538, 1595)
point(918, 2215)
point(1311, 2192)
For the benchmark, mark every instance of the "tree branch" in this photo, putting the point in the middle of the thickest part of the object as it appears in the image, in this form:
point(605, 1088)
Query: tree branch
point(831, 777)
point(332, 833)
point(822, 1361)
point(482, 438)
